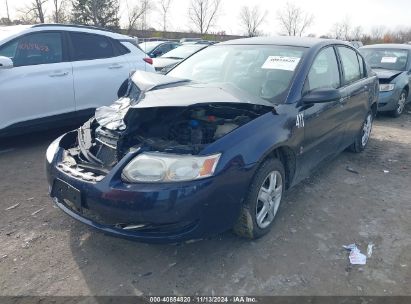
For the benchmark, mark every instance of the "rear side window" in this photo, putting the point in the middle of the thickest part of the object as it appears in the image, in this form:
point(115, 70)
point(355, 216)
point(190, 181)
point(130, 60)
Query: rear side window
point(121, 49)
point(33, 49)
point(324, 72)
point(350, 65)
point(91, 46)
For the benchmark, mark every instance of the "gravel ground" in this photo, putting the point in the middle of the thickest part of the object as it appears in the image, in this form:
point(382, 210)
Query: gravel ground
point(44, 252)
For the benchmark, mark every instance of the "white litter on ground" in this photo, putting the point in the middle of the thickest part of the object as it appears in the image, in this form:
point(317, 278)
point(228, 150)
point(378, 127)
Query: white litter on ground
point(369, 249)
point(356, 257)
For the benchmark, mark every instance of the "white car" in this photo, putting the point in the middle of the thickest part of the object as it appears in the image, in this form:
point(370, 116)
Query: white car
point(51, 73)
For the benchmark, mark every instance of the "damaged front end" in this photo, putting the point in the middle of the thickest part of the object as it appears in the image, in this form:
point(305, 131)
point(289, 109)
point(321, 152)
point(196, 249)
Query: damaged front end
point(158, 114)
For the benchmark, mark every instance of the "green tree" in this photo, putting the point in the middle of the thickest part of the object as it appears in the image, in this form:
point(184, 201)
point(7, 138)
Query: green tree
point(102, 13)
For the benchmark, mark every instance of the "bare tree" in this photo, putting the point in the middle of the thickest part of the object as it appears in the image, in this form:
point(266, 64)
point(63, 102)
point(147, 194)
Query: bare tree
point(251, 19)
point(137, 13)
point(59, 14)
point(203, 14)
point(293, 20)
point(164, 10)
point(34, 12)
point(357, 33)
point(377, 33)
point(342, 30)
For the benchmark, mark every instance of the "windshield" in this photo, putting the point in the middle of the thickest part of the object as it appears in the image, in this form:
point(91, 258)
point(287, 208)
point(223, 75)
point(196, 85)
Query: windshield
point(390, 59)
point(183, 52)
point(148, 47)
point(263, 71)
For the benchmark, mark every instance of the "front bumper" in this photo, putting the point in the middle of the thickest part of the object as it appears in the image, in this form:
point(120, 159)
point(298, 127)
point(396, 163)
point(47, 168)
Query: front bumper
point(166, 212)
point(388, 100)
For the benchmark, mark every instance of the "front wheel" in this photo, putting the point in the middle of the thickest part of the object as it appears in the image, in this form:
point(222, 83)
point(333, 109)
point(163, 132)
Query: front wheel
point(400, 104)
point(263, 200)
point(361, 140)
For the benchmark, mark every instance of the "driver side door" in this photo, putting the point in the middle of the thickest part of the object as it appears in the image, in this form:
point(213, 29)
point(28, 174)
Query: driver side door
point(39, 87)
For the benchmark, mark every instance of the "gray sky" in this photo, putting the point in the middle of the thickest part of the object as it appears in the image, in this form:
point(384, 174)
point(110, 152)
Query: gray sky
point(392, 14)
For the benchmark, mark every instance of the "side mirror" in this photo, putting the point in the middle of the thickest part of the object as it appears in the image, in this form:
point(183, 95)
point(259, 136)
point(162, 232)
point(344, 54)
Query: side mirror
point(322, 96)
point(5, 63)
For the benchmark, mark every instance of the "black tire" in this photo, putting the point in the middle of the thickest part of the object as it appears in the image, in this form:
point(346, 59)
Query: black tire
point(400, 107)
point(359, 144)
point(246, 225)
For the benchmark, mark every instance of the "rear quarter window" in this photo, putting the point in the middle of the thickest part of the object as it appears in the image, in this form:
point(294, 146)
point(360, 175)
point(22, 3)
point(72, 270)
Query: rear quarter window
point(91, 46)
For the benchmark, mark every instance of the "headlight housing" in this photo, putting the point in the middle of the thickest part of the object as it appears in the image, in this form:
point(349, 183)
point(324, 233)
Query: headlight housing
point(52, 150)
point(154, 167)
point(387, 87)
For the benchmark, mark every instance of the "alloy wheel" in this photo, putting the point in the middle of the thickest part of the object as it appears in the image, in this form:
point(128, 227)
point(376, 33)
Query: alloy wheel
point(269, 198)
point(366, 130)
point(401, 102)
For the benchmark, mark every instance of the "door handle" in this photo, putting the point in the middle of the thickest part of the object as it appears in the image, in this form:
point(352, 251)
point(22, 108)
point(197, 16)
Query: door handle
point(115, 66)
point(345, 99)
point(59, 74)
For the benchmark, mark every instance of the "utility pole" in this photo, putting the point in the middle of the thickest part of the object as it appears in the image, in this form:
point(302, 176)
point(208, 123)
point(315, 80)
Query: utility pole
point(7, 9)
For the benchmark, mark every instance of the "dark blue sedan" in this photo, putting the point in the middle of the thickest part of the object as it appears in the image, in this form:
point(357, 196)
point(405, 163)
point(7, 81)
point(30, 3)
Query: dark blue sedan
point(214, 144)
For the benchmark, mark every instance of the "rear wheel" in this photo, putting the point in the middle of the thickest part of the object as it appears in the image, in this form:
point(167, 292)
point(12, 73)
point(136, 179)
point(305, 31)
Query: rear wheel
point(263, 201)
point(364, 135)
point(400, 104)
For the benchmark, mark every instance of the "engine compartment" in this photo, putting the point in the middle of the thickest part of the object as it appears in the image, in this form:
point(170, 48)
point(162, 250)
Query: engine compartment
point(186, 130)
point(179, 130)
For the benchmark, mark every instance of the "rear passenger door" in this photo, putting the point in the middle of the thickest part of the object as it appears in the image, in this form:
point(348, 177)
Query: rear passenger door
point(356, 104)
point(99, 69)
point(323, 122)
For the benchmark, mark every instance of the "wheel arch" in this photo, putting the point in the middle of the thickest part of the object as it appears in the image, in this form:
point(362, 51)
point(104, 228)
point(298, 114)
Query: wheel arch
point(288, 158)
point(407, 89)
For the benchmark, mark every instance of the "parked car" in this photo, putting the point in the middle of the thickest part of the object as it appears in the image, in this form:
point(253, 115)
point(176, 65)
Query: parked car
point(392, 64)
point(198, 151)
point(57, 74)
point(157, 48)
point(170, 59)
point(356, 44)
point(185, 40)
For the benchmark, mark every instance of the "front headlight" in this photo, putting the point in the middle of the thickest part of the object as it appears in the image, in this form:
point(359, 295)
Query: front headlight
point(52, 150)
point(387, 87)
point(162, 167)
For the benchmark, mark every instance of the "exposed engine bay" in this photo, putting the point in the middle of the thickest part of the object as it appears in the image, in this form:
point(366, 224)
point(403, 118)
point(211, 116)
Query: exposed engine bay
point(182, 118)
point(181, 130)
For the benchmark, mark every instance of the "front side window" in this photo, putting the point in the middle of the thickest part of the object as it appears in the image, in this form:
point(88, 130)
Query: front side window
point(264, 71)
point(324, 71)
point(33, 49)
point(389, 59)
point(9, 50)
point(91, 46)
point(350, 65)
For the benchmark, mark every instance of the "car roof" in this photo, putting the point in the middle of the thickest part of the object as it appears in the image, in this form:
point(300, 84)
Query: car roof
point(14, 30)
point(285, 40)
point(388, 46)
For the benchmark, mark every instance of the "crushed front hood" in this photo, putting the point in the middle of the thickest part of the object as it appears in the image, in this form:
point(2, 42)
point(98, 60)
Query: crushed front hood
point(188, 94)
point(165, 91)
point(147, 81)
point(387, 74)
